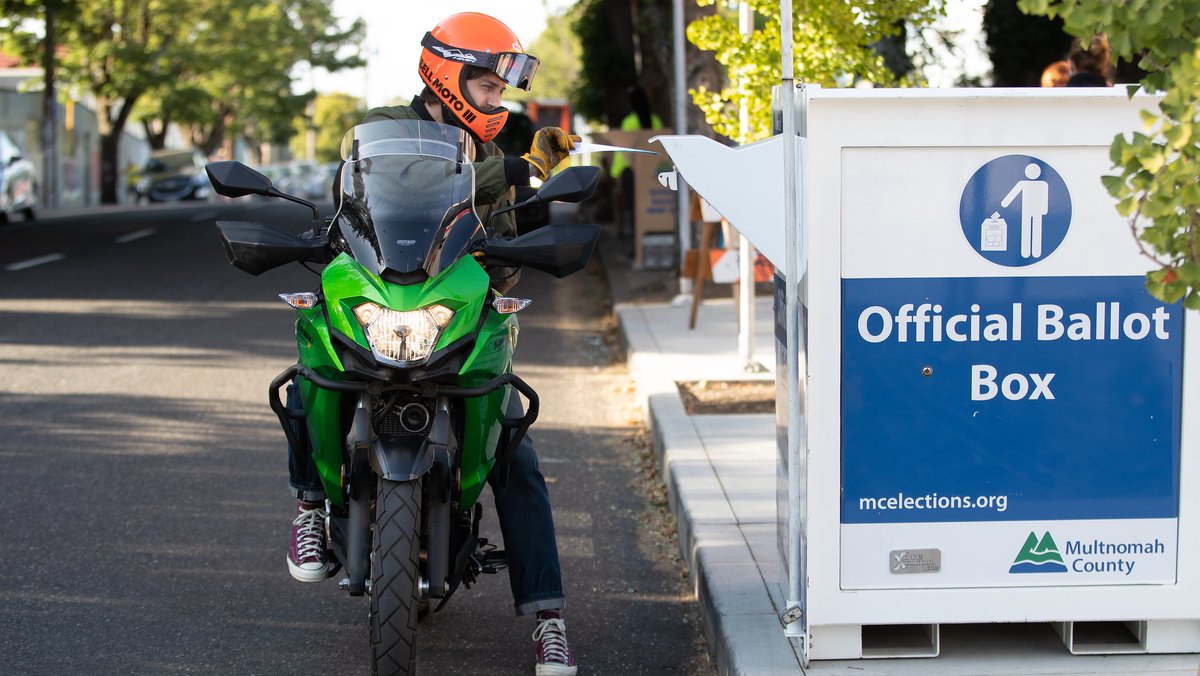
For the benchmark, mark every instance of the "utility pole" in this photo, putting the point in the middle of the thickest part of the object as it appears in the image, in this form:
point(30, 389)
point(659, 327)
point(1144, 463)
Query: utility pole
point(746, 250)
point(684, 223)
point(49, 130)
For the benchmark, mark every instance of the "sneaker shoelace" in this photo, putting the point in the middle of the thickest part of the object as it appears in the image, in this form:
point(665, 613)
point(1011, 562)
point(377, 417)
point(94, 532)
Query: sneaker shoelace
point(552, 635)
point(310, 538)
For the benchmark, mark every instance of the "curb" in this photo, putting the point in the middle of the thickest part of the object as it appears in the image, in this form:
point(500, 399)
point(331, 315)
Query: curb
point(740, 623)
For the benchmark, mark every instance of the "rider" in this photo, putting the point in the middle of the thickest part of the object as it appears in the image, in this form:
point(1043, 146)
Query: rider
point(467, 61)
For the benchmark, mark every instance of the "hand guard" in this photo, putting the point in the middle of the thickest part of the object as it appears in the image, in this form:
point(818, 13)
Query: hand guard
point(551, 146)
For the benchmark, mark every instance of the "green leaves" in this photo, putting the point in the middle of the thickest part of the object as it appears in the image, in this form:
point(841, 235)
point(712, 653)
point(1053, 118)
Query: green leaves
point(1157, 184)
point(332, 115)
point(833, 46)
point(195, 61)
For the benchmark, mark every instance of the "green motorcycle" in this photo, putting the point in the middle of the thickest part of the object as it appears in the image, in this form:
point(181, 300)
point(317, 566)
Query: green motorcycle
point(405, 358)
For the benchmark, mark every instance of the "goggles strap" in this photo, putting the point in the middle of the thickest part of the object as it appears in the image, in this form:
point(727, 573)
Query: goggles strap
point(467, 56)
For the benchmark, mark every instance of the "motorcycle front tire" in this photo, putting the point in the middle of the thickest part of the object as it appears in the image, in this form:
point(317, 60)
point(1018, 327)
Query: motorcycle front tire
point(395, 556)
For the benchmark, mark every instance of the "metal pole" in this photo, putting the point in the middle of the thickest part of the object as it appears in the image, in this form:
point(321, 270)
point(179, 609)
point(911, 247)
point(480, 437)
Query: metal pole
point(685, 227)
point(49, 130)
point(746, 251)
point(792, 316)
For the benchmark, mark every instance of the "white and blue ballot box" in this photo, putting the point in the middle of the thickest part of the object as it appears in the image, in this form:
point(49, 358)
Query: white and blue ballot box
point(995, 411)
point(995, 422)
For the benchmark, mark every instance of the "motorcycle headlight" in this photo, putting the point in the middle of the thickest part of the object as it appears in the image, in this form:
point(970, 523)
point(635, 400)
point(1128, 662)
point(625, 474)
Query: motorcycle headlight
point(403, 338)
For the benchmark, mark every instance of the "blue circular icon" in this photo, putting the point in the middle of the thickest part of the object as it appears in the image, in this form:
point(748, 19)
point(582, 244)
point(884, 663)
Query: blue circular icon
point(1015, 210)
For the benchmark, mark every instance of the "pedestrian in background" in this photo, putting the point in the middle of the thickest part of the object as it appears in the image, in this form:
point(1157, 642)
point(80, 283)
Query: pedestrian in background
point(1056, 74)
point(1091, 66)
point(638, 119)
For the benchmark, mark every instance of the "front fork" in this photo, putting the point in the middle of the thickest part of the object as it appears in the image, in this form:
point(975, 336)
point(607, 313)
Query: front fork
point(360, 505)
point(368, 460)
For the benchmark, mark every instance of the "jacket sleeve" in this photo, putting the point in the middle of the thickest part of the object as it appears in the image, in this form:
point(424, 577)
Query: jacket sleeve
point(495, 177)
point(495, 174)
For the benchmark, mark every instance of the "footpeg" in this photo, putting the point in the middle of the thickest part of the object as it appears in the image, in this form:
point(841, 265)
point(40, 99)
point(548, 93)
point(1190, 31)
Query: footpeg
point(487, 560)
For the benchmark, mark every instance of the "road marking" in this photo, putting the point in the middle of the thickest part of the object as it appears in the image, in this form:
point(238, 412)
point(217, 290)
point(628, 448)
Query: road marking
point(33, 262)
point(136, 234)
point(202, 216)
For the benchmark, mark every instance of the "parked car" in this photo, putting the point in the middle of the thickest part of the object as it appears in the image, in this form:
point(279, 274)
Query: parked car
point(172, 175)
point(18, 182)
point(285, 177)
point(318, 184)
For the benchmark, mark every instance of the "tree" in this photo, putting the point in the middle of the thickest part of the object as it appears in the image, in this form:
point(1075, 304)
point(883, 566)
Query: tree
point(1020, 46)
point(12, 12)
point(333, 114)
point(252, 93)
point(1157, 184)
point(625, 43)
point(834, 44)
point(605, 31)
point(168, 56)
point(560, 52)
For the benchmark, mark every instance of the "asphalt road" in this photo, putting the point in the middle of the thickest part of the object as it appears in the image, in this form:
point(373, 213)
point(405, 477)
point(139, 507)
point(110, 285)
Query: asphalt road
point(143, 477)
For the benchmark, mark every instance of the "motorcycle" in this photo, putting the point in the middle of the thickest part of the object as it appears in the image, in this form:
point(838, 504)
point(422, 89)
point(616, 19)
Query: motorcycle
point(405, 373)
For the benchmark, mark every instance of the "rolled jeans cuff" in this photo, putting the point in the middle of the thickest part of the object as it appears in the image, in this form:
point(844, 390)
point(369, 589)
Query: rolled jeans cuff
point(538, 605)
point(307, 494)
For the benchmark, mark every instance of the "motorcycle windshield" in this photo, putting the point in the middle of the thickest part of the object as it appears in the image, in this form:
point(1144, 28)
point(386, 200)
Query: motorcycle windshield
point(405, 197)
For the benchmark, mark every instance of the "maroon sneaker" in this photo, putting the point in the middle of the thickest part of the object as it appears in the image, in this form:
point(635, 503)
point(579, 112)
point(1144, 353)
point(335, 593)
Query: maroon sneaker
point(306, 557)
point(554, 656)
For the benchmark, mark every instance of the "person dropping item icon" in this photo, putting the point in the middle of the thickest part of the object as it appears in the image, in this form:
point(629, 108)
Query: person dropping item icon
point(1035, 203)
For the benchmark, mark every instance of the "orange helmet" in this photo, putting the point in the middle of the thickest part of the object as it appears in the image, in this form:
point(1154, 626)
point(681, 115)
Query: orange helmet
point(473, 39)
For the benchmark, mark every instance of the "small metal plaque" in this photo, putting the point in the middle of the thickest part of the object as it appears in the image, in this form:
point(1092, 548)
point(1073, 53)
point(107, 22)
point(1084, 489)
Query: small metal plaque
point(910, 561)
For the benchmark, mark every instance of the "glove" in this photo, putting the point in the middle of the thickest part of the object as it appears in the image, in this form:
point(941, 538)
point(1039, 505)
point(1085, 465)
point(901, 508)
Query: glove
point(551, 146)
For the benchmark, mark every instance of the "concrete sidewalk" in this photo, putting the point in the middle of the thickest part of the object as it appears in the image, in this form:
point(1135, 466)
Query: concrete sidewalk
point(720, 471)
point(721, 475)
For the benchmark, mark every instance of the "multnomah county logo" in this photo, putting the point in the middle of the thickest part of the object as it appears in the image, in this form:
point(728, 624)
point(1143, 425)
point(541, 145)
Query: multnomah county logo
point(1015, 210)
point(1038, 556)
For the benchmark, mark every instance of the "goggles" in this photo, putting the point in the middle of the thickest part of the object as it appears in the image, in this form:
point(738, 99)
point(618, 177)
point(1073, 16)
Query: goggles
point(515, 68)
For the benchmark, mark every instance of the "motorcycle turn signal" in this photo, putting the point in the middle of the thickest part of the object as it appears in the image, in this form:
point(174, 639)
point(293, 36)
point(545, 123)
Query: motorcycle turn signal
point(508, 306)
point(305, 300)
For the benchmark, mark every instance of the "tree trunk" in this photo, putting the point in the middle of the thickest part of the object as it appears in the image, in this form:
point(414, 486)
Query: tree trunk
point(111, 128)
point(216, 135)
point(49, 131)
point(110, 147)
point(157, 139)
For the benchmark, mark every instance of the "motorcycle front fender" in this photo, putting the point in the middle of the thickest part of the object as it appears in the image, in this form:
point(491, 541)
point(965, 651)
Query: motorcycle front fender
point(407, 457)
point(395, 458)
point(402, 458)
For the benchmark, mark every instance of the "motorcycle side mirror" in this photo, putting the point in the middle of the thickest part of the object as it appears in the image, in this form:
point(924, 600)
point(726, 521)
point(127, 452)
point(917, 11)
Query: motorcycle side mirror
point(573, 184)
point(234, 179)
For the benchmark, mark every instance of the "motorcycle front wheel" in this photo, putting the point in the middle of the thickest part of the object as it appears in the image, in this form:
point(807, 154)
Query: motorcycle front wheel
point(395, 555)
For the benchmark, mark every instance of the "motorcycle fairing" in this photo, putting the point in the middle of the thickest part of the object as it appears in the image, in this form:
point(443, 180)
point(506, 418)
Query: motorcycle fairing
point(463, 287)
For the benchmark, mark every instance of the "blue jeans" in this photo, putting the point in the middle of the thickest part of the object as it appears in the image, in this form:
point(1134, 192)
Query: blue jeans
point(302, 471)
point(522, 508)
